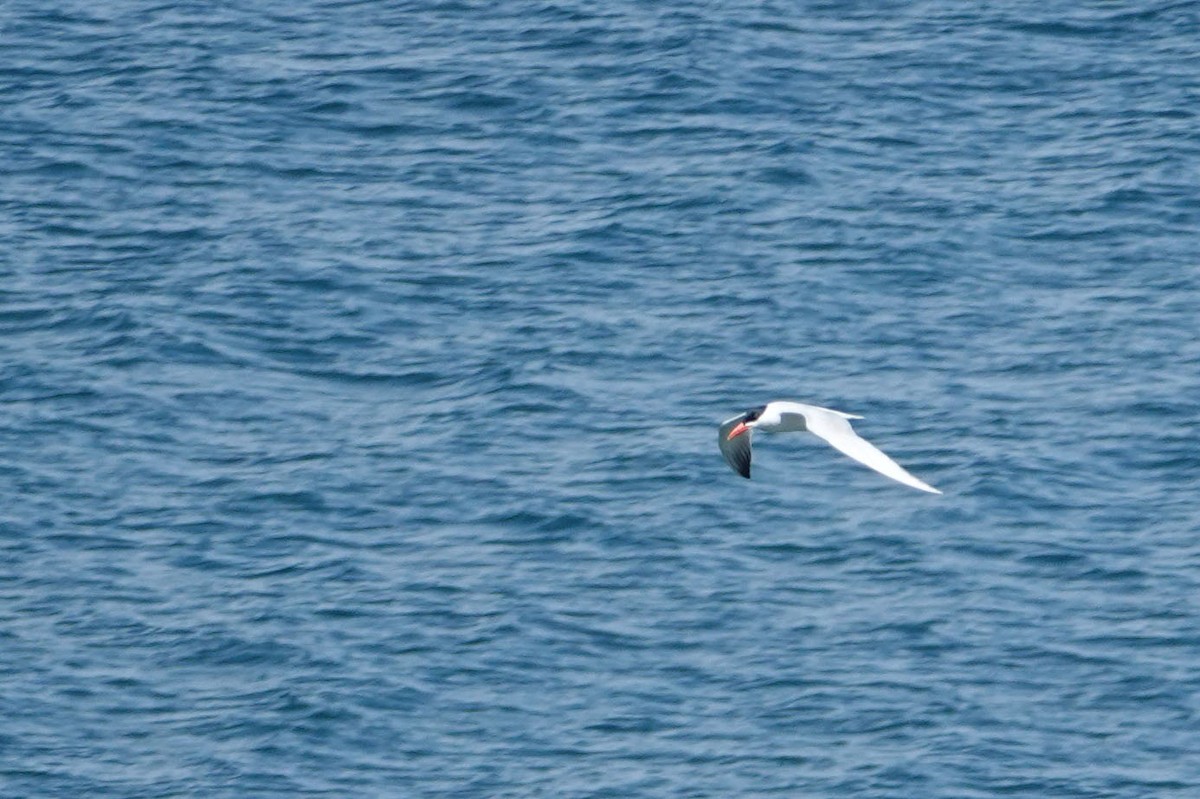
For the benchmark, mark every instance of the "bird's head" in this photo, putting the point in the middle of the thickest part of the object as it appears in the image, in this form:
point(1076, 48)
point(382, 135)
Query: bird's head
point(749, 422)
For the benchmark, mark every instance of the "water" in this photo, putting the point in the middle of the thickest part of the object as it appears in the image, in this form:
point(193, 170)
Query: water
point(360, 368)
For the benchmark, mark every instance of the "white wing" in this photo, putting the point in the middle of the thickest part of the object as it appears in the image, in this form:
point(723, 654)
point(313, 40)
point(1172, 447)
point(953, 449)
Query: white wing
point(834, 428)
point(794, 416)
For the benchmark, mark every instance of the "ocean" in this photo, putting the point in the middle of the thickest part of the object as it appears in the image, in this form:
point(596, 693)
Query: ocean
point(361, 365)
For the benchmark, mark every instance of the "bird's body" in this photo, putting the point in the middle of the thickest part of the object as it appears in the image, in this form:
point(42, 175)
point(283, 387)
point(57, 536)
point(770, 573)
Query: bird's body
point(830, 425)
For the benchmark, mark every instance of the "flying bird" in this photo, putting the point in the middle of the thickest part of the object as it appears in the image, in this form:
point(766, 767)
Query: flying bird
point(787, 417)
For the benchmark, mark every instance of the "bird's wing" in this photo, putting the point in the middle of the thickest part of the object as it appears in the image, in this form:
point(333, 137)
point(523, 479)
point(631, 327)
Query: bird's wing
point(834, 428)
point(798, 411)
point(737, 451)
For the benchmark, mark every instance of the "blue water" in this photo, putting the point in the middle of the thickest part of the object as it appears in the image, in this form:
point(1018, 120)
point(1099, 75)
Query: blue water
point(361, 363)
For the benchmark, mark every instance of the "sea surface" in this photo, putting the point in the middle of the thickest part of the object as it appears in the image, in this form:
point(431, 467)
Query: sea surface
point(361, 365)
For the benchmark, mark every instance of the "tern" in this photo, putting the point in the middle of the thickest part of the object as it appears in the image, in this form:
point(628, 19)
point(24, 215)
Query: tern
point(833, 426)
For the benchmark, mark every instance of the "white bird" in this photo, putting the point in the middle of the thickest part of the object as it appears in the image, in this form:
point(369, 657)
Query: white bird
point(833, 426)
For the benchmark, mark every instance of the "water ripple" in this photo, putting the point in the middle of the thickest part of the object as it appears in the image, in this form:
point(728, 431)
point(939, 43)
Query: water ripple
point(361, 364)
